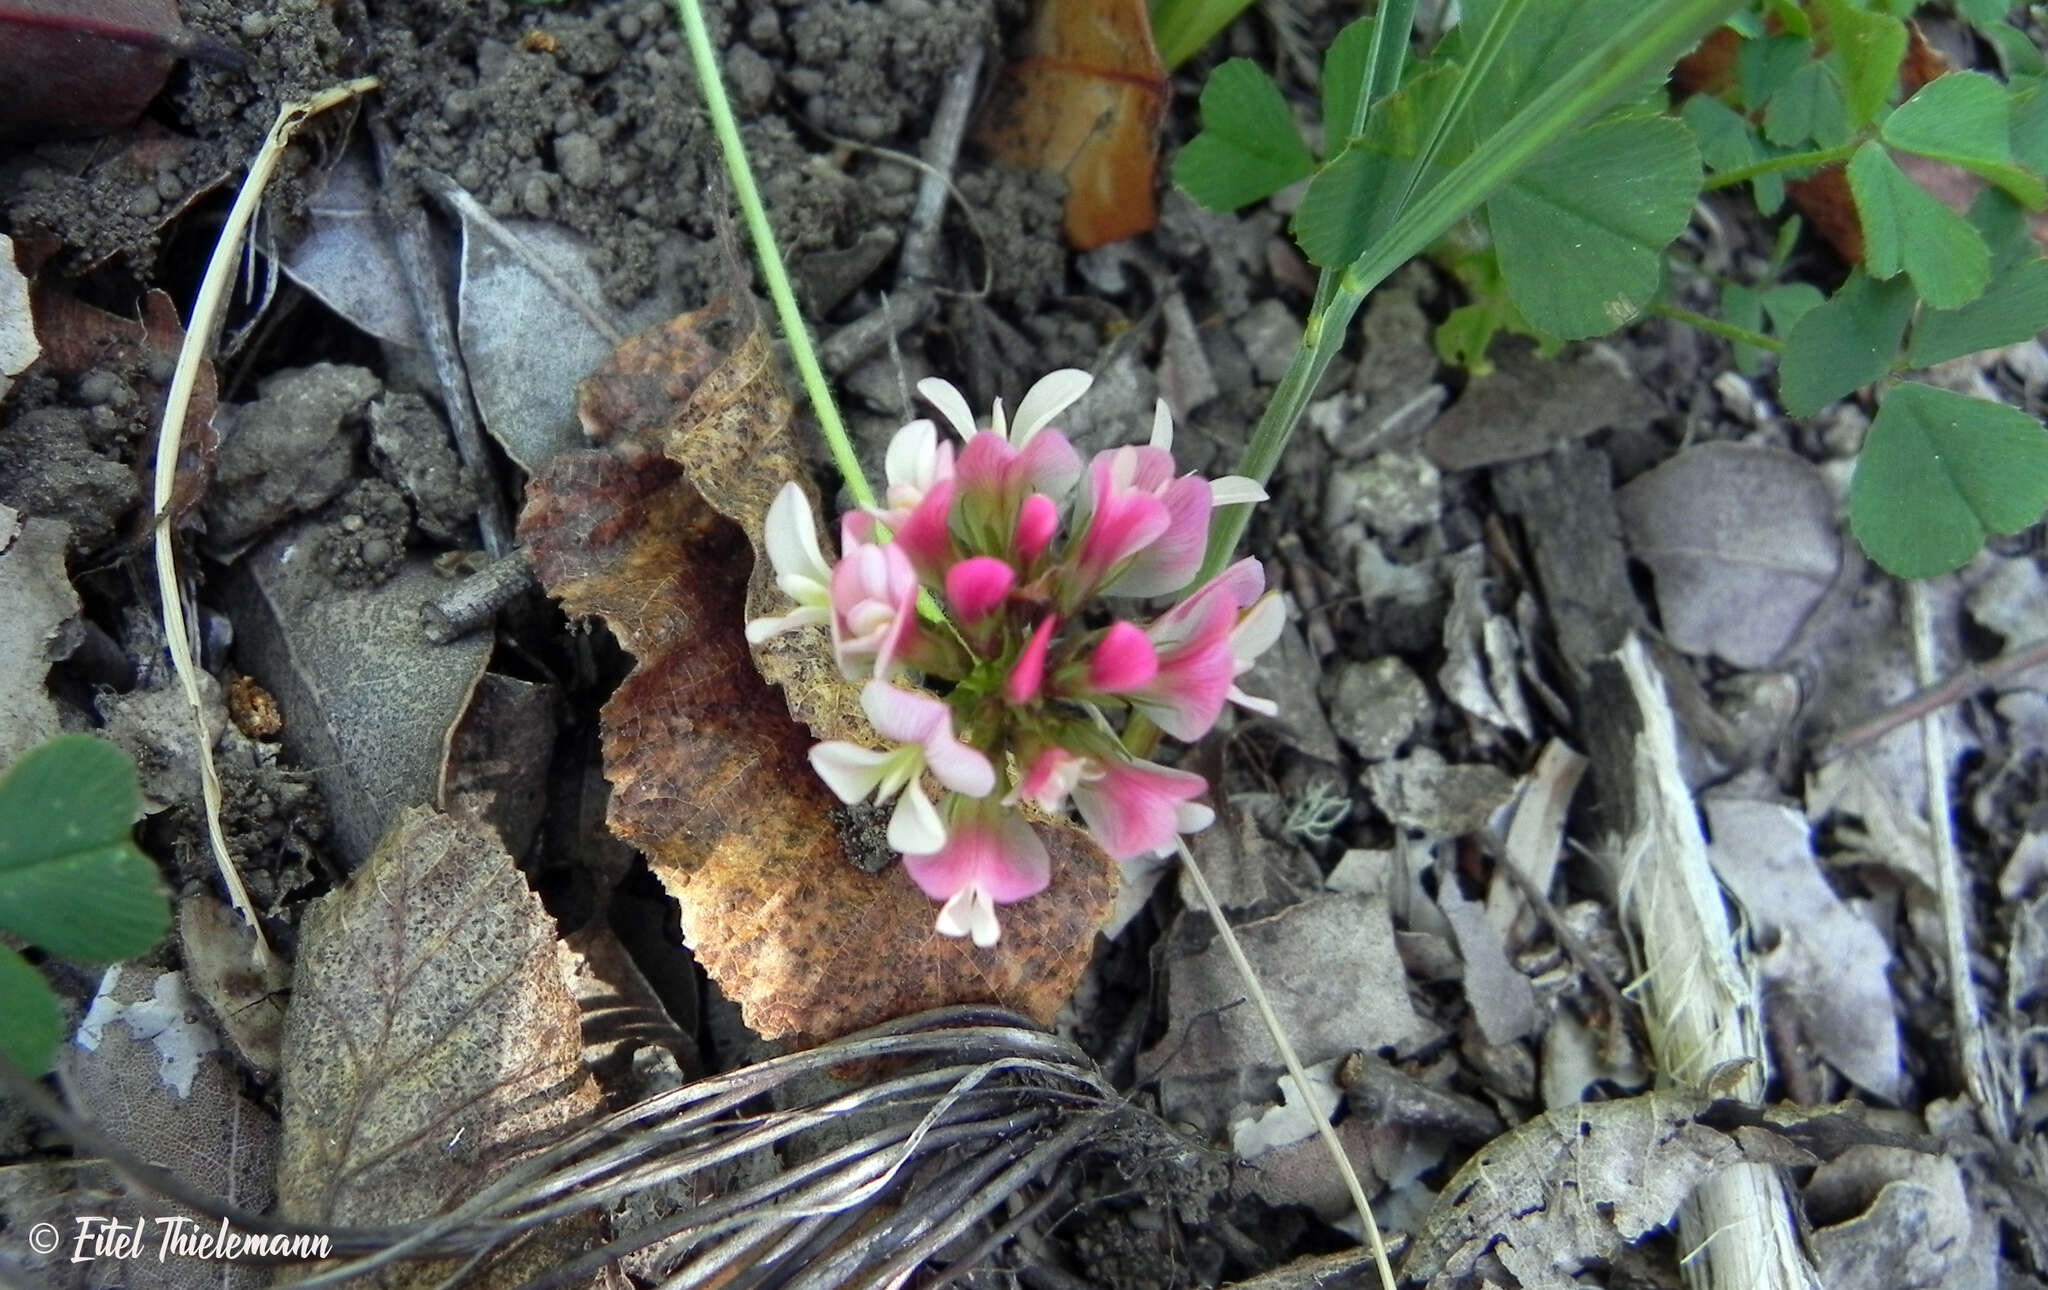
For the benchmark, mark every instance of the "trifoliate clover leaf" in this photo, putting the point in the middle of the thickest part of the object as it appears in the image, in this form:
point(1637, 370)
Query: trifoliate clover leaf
point(1249, 147)
point(1940, 472)
point(1905, 228)
point(1866, 49)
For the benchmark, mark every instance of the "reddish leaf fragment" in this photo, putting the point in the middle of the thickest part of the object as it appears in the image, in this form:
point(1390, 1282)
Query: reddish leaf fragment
point(77, 68)
point(1085, 102)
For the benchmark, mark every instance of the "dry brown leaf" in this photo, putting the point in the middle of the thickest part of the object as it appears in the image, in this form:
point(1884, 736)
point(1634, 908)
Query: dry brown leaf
point(710, 778)
point(431, 1040)
point(77, 68)
point(710, 775)
point(1085, 102)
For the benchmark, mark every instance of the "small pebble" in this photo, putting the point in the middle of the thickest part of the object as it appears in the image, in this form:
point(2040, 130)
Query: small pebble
point(97, 387)
point(535, 197)
point(630, 27)
point(377, 552)
point(580, 160)
point(255, 25)
point(352, 523)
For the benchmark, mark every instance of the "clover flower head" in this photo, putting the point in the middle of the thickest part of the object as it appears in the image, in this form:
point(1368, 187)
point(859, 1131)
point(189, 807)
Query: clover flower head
point(1045, 644)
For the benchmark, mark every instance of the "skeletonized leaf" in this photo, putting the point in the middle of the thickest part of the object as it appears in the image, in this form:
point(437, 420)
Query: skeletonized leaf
point(1568, 1190)
point(1940, 472)
point(369, 702)
point(431, 1039)
point(1581, 232)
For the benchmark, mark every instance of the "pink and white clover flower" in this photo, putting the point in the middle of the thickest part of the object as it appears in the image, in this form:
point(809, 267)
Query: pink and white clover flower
point(874, 607)
point(991, 857)
point(921, 727)
point(791, 536)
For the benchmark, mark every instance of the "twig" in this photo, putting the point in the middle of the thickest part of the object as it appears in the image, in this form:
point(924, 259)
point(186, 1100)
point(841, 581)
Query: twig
point(1971, 678)
point(1993, 1104)
point(199, 333)
point(726, 127)
point(471, 602)
point(898, 312)
point(1293, 1063)
point(941, 152)
point(429, 294)
point(1623, 1012)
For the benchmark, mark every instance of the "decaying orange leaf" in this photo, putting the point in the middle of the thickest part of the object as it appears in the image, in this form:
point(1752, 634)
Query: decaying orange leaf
point(709, 773)
point(1085, 101)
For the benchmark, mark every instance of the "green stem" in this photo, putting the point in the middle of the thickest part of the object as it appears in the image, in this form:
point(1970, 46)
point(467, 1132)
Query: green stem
point(1772, 165)
point(726, 127)
point(1715, 327)
point(1654, 32)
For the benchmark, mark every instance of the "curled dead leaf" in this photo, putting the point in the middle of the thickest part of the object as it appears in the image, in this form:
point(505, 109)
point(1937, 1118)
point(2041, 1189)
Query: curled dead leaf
point(710, 779)
point(710, 775)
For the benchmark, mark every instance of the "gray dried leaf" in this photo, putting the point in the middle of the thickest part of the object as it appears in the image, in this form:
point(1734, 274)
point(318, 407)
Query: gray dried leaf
point(1828, 965)
point(368, 702)
point(1913, 1227)
point(148, 1070)
point(1568, 1190)
point(1481, 651)
point(1532, 405)
point(527, 341)
point(348, 261)
point(497, 770)
point(1260, 1131)
point(431, 1040)
point(36, 590)
point(1502, 1000)
point(1743, 543)
point(1335, 979)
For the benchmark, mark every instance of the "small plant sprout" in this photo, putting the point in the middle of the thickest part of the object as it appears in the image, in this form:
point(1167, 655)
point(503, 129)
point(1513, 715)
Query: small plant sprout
point(1038, 560)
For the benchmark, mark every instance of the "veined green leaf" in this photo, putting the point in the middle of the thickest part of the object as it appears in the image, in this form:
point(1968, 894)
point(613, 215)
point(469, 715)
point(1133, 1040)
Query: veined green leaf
point(1766, 64)
point(1938, 473)
point(1866, 48)
point(1249, 147)
point(1964, 118)
point(1984, 12)
point(1349, 202)
point(1582, 230)
point(1906, 228)
point(2018, 55)
point(2030, 128)
point(1844, 344)
point(1180, 27)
